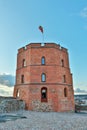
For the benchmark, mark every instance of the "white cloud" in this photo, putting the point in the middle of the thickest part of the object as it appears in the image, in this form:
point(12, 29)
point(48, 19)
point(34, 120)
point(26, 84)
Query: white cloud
point(79, 91)
point(5, 73)
point(6, 91)
point(84, 12)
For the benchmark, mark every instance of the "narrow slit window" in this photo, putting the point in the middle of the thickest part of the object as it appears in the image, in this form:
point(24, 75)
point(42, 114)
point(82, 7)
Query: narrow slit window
point(62, 63)
point(64, 78)
point(43, 60)
point(22, 78)
point(43, 77)
point(65, 92)
point(23, 63)
point(17, 94)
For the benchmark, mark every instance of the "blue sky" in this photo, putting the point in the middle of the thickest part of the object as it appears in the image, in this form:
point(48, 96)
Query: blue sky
point(64, 22)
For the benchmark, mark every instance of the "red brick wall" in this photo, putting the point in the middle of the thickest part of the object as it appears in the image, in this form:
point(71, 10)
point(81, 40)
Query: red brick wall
point(30, 90)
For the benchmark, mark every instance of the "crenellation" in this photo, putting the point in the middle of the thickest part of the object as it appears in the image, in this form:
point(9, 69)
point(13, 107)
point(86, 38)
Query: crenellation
point(63, 49)
point(39, 45)
point(35, 44)
point(21, 49)
point(52, 45)
point(28, 46)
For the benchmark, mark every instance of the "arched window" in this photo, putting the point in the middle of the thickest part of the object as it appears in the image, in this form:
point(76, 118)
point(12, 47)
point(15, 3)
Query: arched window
point(64, 78)
point(43, 60)
point(44, 94)
point(65, 92)
point(23, 63)
point(43, 77)
point(62, 63)
point(17, 94)
point(22, 78)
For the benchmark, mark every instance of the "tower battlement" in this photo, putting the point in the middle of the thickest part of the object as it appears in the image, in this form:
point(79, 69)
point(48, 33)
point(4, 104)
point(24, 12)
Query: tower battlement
point(42, 45)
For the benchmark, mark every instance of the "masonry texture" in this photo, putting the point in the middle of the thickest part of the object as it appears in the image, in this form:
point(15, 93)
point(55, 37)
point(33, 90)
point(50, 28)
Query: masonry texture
point(43, 78)
point(9, 104)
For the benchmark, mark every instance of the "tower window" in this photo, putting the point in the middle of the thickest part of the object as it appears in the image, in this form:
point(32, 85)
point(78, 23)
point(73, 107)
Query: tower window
point(23, 63)
point(43, 77)
point(22, 78)
point(43, 60)
point(64, 78)
point(17, 93)
point(65, 92)
point(62, 63)
point(44, 94)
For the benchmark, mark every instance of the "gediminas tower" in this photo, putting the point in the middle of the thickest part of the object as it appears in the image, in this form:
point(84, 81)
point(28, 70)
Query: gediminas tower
point(43, 78)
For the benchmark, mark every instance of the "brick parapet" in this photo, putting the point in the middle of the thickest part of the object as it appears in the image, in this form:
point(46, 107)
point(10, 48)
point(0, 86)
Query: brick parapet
point(39, 45)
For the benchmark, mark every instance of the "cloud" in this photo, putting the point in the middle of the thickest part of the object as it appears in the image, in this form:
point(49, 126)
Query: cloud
point(83, 13)
point(6, 91)
point(7, 79)
point(78, 90)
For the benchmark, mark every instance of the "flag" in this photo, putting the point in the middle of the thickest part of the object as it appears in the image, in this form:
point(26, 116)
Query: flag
point(41, 28)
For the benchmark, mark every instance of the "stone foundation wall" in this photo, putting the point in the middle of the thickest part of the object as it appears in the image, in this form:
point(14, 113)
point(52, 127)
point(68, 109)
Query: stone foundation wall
point(38, 106)
point(9, 104)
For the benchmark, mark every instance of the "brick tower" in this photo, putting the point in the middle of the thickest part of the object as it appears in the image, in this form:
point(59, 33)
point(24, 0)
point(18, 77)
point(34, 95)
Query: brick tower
point(43, 78)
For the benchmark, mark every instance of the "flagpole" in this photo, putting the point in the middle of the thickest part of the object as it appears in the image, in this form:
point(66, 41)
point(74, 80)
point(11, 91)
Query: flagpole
point(43, 37)
point(42, 31)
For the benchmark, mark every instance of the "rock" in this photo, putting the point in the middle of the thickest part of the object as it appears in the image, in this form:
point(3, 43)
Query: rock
point(10, 104)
